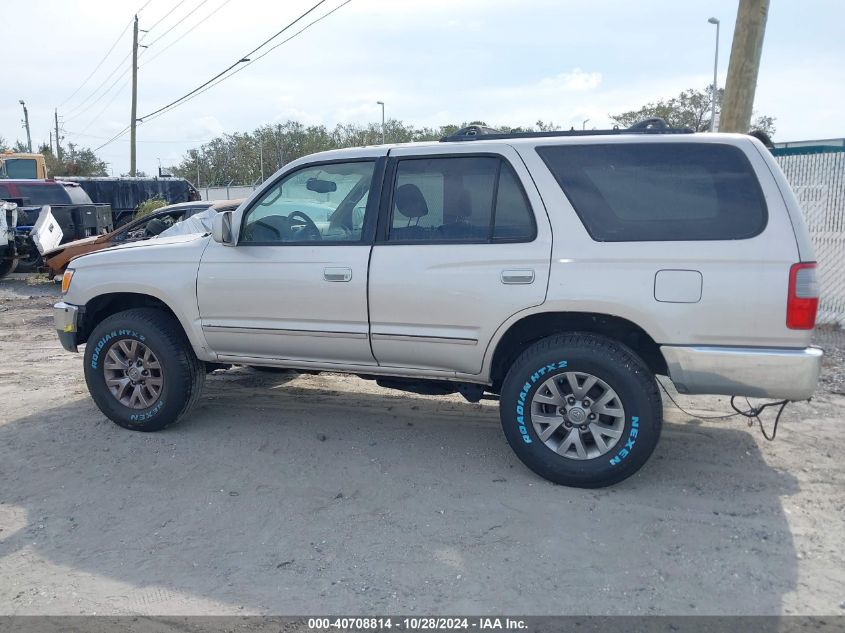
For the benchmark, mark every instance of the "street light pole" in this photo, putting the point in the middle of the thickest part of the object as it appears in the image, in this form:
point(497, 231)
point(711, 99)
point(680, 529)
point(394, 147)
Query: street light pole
point(381, 103)
point(584, 124)
point(715, 94)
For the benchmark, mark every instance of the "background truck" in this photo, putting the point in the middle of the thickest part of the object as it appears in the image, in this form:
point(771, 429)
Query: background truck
point(73, 210)
point(22, 165)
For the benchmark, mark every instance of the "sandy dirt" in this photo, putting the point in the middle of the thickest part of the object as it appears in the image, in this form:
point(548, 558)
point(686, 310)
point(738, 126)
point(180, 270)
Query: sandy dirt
point(298, 494)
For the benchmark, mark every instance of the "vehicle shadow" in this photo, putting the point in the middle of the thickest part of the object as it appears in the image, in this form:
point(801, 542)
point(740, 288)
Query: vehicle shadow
point(299, 498)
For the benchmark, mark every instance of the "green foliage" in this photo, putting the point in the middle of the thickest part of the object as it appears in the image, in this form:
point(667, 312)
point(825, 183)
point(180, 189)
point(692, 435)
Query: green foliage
point(76, 161)
point(690, 109)
point(148, 206)
point(237, 158)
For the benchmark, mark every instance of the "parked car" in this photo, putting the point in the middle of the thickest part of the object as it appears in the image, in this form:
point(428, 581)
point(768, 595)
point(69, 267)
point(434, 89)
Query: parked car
point(559, 273)
point(141, 229)
point(75, 214)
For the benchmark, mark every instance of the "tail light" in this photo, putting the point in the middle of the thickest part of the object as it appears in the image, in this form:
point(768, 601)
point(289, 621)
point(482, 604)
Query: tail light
point(803, 300)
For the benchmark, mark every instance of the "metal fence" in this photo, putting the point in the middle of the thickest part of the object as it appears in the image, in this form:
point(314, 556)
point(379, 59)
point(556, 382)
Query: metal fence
point(817, 176)
point(227, 193)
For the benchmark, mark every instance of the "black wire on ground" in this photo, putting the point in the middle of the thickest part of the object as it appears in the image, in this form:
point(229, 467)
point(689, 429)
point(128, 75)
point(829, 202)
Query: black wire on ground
point(753, 413)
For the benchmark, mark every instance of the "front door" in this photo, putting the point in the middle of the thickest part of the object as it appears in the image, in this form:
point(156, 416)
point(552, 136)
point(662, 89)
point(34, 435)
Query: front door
point(464, 243)
point(295, 285)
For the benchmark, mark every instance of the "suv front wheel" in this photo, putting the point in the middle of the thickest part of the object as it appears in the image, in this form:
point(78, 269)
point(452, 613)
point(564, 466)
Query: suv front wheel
point(141, 370)
point(581, 410)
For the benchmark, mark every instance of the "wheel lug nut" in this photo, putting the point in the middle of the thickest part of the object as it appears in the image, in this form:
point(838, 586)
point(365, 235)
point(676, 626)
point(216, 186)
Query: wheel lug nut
point(570, 400)
point(583, 427)
point(585, 402)
point(592, 416)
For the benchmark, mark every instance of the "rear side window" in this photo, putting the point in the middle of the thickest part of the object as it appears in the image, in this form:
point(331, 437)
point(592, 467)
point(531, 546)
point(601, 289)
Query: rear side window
point(470, 199)
point(635, 192)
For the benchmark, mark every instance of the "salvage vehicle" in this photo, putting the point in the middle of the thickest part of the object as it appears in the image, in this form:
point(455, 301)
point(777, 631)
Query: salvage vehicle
point(8, 247)
point(558, 272)
point(22, 165)
point(56, 260)
point(125, 193)
point(76, 216)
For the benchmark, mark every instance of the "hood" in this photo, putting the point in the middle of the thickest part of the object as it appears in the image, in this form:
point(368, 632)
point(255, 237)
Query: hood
point(61, 247)
point(153, 252)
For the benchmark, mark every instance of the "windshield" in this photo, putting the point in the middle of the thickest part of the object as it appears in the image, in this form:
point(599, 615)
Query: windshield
point(20, 168)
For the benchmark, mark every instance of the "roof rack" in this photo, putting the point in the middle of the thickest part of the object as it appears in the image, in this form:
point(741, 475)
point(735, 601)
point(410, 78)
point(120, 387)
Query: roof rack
point(653, 125)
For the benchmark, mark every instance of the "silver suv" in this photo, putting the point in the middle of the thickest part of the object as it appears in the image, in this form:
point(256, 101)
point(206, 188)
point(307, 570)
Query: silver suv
point(560, 272)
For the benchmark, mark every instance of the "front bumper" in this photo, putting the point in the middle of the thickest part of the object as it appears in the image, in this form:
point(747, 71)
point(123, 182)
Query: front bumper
point(788, 374)
point(66, 319)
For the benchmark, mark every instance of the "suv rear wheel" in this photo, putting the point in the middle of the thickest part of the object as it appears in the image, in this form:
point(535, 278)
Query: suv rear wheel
point(141, 370)
point(581, 410)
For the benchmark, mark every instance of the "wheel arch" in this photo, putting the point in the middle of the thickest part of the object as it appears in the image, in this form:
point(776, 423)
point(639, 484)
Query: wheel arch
point(533, 327)
point(104, 305)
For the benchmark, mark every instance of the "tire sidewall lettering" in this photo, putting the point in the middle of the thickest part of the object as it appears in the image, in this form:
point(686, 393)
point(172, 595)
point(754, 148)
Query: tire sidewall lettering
point(114, 334)
point(628, 447)
point(521, 400)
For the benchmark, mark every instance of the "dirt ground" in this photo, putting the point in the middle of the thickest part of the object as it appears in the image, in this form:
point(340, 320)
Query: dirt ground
point(296, 494)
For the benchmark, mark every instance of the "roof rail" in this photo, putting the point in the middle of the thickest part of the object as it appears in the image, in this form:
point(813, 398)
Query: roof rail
point(652, 125)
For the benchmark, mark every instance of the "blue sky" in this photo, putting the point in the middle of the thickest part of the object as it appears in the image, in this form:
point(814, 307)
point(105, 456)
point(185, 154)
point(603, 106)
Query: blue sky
point(431, 61)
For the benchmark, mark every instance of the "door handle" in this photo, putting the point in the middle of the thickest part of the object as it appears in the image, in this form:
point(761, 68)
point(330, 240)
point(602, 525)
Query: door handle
point(337, 274)
point(525, 276)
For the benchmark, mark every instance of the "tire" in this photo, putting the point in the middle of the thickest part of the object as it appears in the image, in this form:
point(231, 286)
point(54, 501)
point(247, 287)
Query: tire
point(175, 375)
point(596, 457)
point(7, 267)
point(30, 264)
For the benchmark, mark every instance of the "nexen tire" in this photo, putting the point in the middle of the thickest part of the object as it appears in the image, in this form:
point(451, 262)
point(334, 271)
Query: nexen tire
point(614, 364)
point(182, 373)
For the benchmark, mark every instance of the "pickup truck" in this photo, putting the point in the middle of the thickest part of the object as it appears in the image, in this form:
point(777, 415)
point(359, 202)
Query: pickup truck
point(557, 272)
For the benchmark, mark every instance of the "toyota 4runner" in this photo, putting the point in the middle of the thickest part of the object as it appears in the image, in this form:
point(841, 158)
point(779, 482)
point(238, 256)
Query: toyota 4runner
point(560, 272)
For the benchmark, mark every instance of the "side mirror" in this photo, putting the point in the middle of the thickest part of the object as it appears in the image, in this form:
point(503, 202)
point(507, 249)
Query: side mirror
point(221, 228)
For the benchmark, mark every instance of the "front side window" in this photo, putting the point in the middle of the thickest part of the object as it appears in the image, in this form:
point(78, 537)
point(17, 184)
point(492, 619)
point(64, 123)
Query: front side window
point(21, 168)
point(467, 199)
point(319, 203)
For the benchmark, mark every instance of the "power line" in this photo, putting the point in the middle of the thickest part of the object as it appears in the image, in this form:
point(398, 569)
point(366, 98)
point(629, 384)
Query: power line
point(164, 17)
point(244, 58)
point(221, 80)
point(105, 57)
point(205, 87)
point(184, 17)
point(181, 37)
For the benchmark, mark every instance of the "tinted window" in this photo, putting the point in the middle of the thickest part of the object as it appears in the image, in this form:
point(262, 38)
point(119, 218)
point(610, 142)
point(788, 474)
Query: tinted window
point(660, 191)
point(514, 220)
point(456, 200)
point(319, 203)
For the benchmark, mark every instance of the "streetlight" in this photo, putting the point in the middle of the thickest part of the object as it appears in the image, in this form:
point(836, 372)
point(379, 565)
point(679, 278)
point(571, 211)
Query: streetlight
point(584, 124)
point(715, 75)
point(381, 103)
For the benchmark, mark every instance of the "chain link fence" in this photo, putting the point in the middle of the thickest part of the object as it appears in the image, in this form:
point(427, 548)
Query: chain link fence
point(817, 176)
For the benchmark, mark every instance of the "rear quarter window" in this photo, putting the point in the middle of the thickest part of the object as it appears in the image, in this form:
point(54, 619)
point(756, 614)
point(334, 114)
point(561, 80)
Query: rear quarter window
point(632, 192)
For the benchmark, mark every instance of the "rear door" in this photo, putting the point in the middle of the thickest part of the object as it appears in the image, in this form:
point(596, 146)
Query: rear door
point(464, 242)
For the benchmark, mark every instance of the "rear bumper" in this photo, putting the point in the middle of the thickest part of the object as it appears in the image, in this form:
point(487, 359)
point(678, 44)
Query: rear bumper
point(789, 374)
point(66, 320)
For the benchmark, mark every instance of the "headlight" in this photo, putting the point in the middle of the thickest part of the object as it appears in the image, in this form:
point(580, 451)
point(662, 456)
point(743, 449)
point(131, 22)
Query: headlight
point(66, 280)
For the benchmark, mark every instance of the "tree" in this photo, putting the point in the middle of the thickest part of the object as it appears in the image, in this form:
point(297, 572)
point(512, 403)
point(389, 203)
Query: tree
point(76, 161)
point(690, 109)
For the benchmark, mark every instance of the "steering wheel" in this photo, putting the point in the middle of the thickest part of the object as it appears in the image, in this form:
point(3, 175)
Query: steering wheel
point(250, 233)
point(310, 227)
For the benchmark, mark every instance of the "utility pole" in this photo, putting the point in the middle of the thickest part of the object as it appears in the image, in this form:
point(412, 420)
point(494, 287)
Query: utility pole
point(58, 143)
point(133, 121)
point(26, 125)
point(746, 49)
